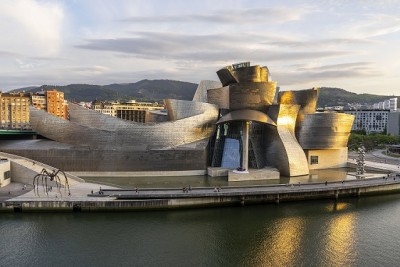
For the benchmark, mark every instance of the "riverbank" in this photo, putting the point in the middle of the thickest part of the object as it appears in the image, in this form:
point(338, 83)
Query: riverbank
point(86, 196)
point(112, 199)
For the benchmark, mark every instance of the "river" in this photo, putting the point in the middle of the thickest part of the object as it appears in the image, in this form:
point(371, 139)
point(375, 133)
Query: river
point(351, 232)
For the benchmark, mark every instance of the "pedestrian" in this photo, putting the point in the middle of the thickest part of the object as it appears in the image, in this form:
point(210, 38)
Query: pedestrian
point(326, 182)
point(215, 189)
point(136, 189)
point(92, 192)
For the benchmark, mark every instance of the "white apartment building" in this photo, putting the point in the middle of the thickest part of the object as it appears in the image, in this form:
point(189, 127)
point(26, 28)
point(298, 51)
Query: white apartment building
point(372, 121)
point(390, 104)
point(131, 110)
point(394, 123)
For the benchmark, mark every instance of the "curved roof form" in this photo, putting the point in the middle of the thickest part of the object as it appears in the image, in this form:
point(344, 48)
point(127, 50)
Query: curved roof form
point(93, 129)
point(247, 115)
point(201, 92)
point(325, 130)
point(283, 150)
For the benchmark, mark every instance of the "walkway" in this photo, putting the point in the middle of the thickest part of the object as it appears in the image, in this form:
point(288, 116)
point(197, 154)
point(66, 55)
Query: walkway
point(250, 190)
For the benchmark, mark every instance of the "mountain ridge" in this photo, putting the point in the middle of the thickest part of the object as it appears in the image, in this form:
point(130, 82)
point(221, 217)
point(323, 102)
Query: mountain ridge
point(157, 90)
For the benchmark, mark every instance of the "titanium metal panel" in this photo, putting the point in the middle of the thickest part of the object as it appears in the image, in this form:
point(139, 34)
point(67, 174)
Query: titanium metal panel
point(219, 97)
point(246, 115)
point(251, 95)
point(307, 99)
point(282, 149)
point(254, 74)
point(325, 130)
point(201, 92)
point(93, 129)
point(180, 109)
point(226, 77)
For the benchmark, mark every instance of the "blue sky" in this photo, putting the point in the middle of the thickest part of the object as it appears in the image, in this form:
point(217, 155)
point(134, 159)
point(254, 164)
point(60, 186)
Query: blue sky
point(348, 44)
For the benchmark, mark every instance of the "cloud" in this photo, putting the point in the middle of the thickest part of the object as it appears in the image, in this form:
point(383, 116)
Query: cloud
point(202, 48)
point(312, 43)
point(32, 27)
point(319, 75)
point(250, 15)
point(92, 70)
point(376, 25)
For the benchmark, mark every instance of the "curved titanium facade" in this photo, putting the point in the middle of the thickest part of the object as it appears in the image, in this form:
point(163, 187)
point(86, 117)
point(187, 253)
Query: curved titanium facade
point(253, 126)
point(253, 74)
point(226, 77)
point(307, 99)
point(283, 151)
point(251, 95)
point(201, 92)
point(219, 97)
point(325, 130)
point(97, 130)
point(180, 109)
point(246, 115)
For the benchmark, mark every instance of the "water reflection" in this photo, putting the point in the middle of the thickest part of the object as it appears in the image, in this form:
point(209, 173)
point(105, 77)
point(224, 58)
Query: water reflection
point(283, 244)
point(340, 237)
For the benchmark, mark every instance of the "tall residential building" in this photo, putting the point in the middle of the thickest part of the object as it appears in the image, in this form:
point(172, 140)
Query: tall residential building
point(14, 108)
point(372, 121)
point(56, 104)
point(131, 110)
point(52, 101)
point(390, 104)
point(394, 123)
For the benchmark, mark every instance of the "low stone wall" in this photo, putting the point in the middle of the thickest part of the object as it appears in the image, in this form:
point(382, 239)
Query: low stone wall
point(207, 199)
point(80, 159)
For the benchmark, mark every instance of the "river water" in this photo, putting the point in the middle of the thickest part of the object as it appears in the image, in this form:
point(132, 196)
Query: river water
point(350, 232)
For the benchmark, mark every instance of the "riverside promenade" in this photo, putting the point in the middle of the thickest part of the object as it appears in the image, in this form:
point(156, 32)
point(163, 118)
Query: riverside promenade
point(95, 197)
point(106, 199)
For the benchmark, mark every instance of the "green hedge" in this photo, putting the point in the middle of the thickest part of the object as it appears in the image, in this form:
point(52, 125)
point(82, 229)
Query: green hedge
point(372, 141)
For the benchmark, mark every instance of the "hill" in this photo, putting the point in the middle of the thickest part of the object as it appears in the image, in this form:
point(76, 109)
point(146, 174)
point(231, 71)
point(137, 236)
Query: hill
point(329, 96)
point(144, 90)
point(157, 90)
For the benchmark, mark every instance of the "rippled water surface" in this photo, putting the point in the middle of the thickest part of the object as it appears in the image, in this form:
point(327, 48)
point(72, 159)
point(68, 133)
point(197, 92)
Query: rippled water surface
point(352, 232)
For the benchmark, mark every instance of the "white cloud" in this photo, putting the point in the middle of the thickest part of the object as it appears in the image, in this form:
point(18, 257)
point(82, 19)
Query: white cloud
point(33, 28)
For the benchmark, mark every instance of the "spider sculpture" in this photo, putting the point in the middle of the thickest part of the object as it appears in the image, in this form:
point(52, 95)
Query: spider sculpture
point(46, 176)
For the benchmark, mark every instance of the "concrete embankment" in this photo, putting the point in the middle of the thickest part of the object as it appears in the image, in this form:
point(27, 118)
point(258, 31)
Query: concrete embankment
point(121, 199)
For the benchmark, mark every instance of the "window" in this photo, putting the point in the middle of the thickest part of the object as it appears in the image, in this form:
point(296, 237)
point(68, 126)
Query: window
point(7, 174)
point(314, 160)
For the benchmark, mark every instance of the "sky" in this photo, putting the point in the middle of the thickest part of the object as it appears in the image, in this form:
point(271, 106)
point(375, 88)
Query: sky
point(354, 45)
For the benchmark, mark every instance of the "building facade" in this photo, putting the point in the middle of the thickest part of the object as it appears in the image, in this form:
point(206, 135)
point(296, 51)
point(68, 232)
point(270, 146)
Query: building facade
point(14, 111)
point(370, 121)
point(5, 172)
point(51, 101)
point(131, 110)
point(394, 123)
point(240, 123)
point(390, 104)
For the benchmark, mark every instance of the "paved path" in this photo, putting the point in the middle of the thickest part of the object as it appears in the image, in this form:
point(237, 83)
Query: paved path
point(251, 190)
point(376, 156)
point(90, 192)
point(79, 192)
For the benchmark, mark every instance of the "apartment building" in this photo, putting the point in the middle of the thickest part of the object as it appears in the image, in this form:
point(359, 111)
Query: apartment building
point(131, 110)
point(14, 111)
point(51, 101)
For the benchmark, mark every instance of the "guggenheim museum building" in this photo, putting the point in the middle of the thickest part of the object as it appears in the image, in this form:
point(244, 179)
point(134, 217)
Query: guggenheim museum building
point(241, 122)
